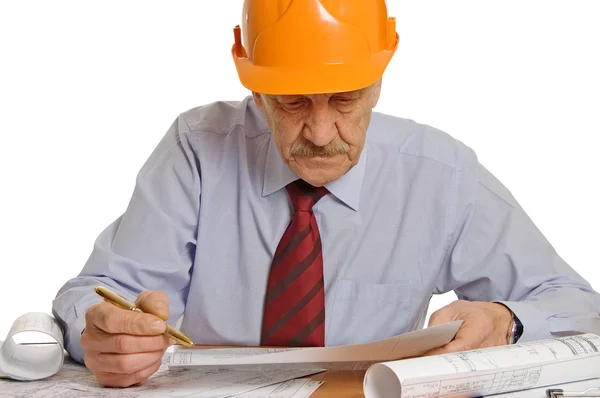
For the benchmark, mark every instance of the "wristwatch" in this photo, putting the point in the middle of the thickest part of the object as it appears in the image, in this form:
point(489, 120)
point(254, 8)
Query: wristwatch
point(516, 330)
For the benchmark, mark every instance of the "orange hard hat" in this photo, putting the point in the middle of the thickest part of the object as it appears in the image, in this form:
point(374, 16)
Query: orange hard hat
point(313, 46)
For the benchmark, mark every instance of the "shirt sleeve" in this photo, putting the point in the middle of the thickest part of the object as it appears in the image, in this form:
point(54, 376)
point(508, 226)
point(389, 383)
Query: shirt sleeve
point(149, 247)
point(499, 255)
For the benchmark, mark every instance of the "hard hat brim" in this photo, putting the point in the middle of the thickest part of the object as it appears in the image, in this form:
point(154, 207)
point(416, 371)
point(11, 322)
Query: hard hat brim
point(317, 79)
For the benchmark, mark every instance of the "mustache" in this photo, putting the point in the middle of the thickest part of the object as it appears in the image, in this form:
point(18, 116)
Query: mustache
point(310, 149)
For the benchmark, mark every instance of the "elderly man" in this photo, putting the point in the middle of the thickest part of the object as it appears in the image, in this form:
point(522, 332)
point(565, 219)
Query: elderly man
point(298, 216)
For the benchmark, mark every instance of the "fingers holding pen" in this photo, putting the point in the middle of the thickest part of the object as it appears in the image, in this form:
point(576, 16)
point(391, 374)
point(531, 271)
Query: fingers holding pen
point(124, 347)
point(100, 341)
point(112, 319)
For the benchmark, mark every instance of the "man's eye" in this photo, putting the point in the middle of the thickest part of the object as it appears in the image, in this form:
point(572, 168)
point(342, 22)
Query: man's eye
point(343, 101)
point(295, 105)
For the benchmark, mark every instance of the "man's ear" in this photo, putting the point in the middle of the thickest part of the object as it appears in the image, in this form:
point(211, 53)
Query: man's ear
point(258, 99)
point(376, 92)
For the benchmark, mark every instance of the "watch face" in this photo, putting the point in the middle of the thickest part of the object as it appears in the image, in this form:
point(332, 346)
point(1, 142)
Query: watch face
point(518, 329)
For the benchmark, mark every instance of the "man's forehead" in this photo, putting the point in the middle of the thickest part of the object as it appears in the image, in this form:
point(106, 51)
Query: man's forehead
point(352, 93)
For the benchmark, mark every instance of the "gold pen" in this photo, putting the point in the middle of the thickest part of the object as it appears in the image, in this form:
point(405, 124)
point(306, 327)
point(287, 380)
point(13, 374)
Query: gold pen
point(119, 301)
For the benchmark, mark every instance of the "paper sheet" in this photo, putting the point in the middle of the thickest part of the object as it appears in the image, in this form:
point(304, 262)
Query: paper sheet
point(577, 386)
point(488, 371)
point(32, 362)
point(74, 380)
point(299, 388)
point(348, 357)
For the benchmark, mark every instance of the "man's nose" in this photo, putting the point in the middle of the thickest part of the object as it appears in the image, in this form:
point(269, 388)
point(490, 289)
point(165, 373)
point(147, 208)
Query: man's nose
point(321, 128)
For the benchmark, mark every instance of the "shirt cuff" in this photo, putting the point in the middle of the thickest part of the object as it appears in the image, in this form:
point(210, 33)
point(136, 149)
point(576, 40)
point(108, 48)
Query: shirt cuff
point(75, 328)
point(73, 339)
point(535, 324)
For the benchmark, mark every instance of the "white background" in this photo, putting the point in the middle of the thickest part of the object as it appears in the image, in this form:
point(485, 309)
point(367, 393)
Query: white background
point(88, 88)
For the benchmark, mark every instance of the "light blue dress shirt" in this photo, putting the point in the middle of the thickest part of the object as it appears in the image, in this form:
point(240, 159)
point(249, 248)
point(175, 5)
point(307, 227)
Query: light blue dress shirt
point(418, 215)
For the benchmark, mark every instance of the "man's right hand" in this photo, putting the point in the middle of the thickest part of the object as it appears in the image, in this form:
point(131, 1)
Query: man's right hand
point(124, 347)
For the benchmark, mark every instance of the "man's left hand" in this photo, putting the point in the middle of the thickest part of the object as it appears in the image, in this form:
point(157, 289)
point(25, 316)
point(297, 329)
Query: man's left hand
point(484, 325)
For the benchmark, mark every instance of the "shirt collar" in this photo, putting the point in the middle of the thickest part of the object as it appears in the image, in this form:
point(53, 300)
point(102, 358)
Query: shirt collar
point(347, 188)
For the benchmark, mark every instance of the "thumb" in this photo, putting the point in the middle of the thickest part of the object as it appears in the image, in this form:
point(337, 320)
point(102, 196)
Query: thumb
point(443, 315)
point(154, 302)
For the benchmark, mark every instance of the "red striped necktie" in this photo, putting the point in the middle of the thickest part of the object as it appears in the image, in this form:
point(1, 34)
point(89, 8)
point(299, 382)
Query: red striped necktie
point(294, 312)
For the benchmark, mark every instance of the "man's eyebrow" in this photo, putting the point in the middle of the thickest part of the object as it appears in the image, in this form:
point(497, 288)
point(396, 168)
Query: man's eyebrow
point(291, 96)
point(349, 94)
point(354, 94)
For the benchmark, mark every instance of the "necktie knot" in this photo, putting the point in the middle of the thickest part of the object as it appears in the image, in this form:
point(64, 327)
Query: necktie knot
point(303, 195)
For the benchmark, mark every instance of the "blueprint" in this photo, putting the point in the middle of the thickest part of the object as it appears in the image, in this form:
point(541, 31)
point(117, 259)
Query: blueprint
point(489, 370)
point(74, 380)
